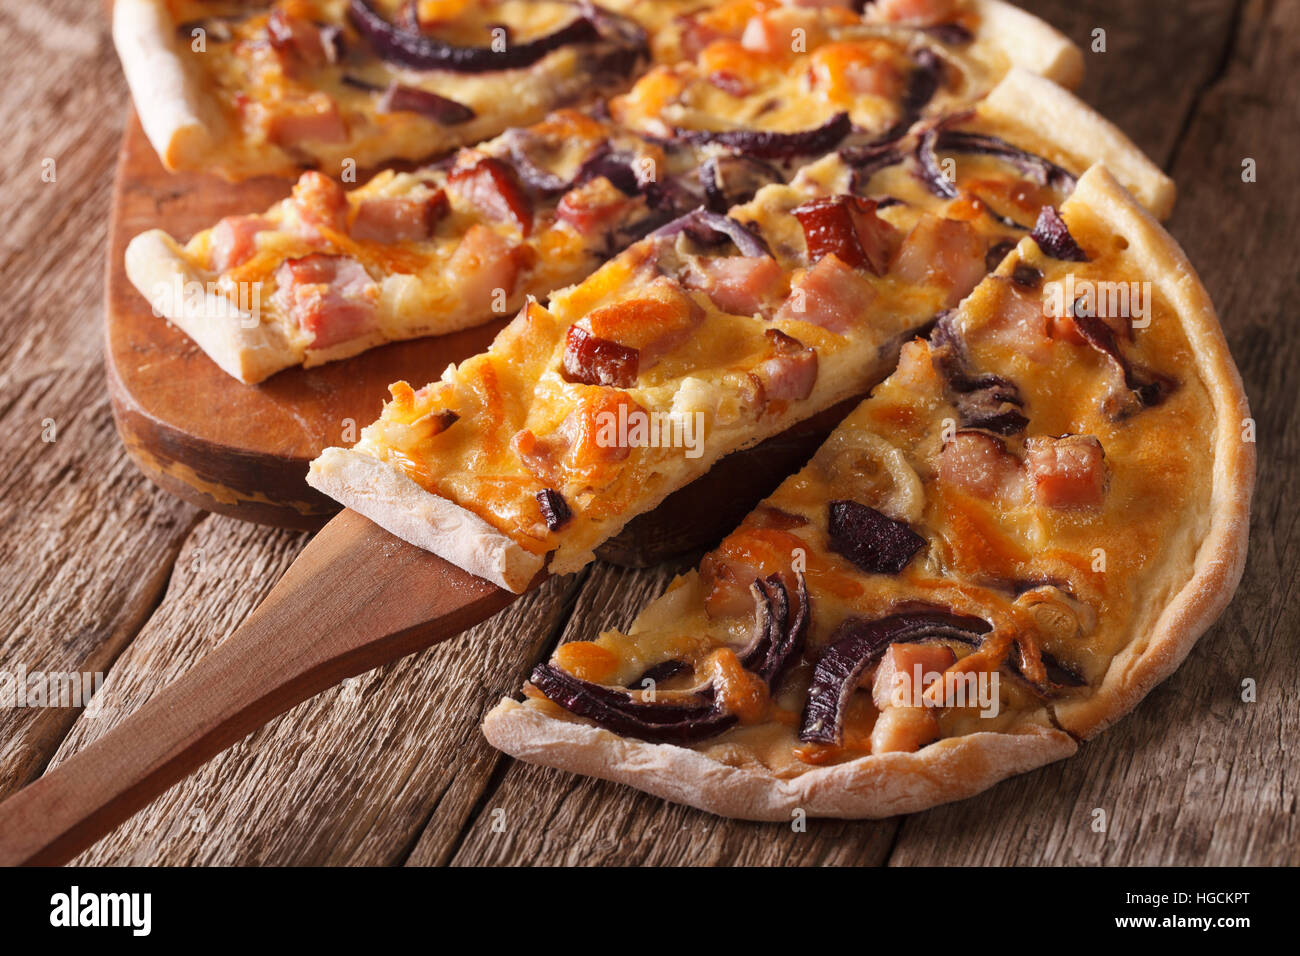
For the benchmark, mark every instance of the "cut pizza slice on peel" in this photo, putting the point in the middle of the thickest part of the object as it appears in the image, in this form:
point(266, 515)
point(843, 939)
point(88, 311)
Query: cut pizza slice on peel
point(1023, 530)
point(243, 89)
point(328, 274)
point(710, 335)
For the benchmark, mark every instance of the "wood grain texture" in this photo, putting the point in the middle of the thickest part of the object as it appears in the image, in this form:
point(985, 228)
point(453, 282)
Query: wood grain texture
point(355, 599)
point(400, 773)
point(350, 776)
point(86, 545)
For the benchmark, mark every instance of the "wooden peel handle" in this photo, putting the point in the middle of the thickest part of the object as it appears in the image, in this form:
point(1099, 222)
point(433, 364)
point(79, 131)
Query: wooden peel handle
point(356, 598)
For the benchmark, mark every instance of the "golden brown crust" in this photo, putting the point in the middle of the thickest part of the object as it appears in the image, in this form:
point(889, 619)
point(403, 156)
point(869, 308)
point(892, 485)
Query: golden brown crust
point(382, 493)
point(182, 123)
point(239, 342)
point(1027, 101)
point(866, 788)
point(1221, 555)
point(1030, 43)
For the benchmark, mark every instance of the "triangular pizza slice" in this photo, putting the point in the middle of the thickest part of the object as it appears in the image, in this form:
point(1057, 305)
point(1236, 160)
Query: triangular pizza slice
point(1000, 552)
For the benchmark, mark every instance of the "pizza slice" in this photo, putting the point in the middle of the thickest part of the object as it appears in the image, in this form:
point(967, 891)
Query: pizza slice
point(781, 81)
point(708, 336)
point(329, 273)
point(246, 89)
point(1023, 530)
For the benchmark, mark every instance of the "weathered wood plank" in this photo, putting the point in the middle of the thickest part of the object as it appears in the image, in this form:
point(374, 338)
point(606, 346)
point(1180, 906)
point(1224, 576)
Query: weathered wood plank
point(394, 762)
point(1196, 775)
point(349, 777)
point(1158, 55)
point(51, 247)
point(86, 547)
point(86, 543)
point(542, 816)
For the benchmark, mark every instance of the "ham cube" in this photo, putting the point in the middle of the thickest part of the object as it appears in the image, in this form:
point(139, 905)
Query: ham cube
point(741, 285)
point(830, 295)
point(592, 207)
point(980, 464)
point(391, 219)
point(317, 120)
point(917, 13)
point(791, 372)
point(1068, 472)
point(233, 240)
point(484, 263)
point(331, 298)
point(946, 253)
point(492, 188)
point(895, 683)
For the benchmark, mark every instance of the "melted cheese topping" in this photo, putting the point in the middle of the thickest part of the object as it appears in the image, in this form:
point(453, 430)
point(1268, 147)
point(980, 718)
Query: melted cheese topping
point(424, 286)
point(1077, 583)
point(258, 88)
point(524, 427)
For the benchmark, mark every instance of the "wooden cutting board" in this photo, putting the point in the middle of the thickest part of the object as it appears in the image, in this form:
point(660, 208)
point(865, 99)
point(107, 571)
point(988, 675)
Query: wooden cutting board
point(243, 450)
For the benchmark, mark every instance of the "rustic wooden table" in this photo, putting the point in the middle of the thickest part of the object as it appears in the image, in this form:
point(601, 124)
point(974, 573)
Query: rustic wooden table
point(101, 571)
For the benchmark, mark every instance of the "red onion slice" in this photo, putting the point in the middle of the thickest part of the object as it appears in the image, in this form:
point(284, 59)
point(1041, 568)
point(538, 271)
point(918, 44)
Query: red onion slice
point(411, 49)
point(765, 144)
point(874, 542)
point(858, 643)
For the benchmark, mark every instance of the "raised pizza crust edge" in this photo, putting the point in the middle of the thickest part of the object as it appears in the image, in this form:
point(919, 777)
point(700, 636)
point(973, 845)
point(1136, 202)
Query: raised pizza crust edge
point(180, 120)
point(870, 787)
point(1029, 42)
point(1027, 101)
point(1221, 557)
point(240, 343)
point(393, 501)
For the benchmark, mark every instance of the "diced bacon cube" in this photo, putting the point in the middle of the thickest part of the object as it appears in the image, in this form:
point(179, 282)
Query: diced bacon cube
point(830, 295)
point(492, 187)
point(317, 120)
point(398, 218)
point(331, 298)
point(741, 285)
point(921, 13)
point(942, 252)
point(980, 464)
point(1016, 320)
point(1068, 472)
point(482, 264)
point(233, 240)
point(299, 42)
point(790, 374)
point(592, 207)
point(896, 684)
